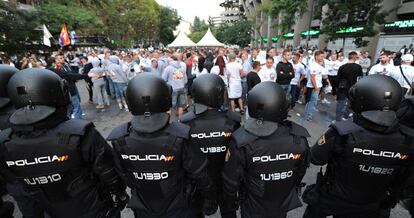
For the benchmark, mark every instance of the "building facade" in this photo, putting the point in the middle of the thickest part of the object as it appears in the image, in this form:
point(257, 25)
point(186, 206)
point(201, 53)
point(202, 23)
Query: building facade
point(233, 11)
point(397, 31)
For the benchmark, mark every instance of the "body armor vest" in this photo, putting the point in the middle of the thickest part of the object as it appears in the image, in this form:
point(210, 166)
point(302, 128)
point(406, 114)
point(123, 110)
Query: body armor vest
point(50, 167)
point(369, 163)
point(5, 113)
point(153, 166)
point(275, 166)
point(211, 132)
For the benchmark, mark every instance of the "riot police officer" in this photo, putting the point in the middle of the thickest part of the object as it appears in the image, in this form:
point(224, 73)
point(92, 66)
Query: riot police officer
point(268, 157)
point(367, 157)
point(154, 156)
point(406, 116)
point(64, 165)
point(211, 131)
point(6, 109)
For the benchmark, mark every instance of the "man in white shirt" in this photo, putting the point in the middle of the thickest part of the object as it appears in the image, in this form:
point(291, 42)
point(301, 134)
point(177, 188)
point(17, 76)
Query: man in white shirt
point(332, 66)
point(314, 84)
point(365, 62)
point(404, 74)
point(382, 68)
point(295, 83)
point(234, 71)
point(268, 73)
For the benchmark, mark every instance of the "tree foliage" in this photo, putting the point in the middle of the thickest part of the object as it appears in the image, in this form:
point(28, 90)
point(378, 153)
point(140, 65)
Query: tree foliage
point(169, 20)
point(198, 29)
point(128, 22)
point(17, 28)
point(286, 9)
point(238, 33)
point(352, 13)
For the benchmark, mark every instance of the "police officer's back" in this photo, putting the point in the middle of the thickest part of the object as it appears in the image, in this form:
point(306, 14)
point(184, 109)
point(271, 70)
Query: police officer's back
point(367, 156)
point(268, 156)
point(406, 116)
point(65, 165)
point(211, 131)
point(6, 109)
point(153, 155)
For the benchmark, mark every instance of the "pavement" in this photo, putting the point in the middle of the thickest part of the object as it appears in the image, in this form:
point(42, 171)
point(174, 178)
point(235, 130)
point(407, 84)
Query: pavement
point(111, 117)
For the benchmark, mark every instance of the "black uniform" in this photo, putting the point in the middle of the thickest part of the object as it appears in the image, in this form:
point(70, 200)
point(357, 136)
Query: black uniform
point(6, 109)
point(406, 116)
point(66, 168)
point(6, 208)
point(155, 157)
point(363, 164)
point(155, 166)
point(267, 171)
point(367, 157)
point(211, 133)
point(268, 157)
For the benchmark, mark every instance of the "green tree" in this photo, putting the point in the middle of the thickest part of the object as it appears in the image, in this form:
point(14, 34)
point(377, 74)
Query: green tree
point(238, 33)
point(56, 14)
point(170, 20)
point(198, 29)
point(18, 28)
point(283, 10)
point(352, 13)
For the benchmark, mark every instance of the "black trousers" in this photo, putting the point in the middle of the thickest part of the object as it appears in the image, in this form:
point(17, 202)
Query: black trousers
point(334, 83)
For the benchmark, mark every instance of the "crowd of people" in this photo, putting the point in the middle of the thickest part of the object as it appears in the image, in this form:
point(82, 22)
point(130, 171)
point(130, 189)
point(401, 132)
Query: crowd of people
point(307, 76)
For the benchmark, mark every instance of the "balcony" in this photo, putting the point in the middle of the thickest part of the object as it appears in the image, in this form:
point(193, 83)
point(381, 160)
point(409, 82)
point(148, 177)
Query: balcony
point(406, 7)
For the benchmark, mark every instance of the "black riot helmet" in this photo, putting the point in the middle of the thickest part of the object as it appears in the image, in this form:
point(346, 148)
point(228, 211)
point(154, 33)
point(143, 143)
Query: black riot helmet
point(148, 98)
point(36, 94)
point(208, 90)
point(6, 72)
point(267, 102)
point(375, 93)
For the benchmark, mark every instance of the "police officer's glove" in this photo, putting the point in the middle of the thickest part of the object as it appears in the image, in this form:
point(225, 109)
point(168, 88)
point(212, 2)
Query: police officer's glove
point(120, 200)
point(209, 207)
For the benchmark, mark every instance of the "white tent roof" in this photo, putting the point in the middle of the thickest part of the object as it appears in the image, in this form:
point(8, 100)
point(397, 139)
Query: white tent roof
point(209, 40)
point(182, 40)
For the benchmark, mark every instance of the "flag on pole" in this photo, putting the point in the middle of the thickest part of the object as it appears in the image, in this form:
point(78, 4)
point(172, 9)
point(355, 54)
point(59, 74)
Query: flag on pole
point(64, 38)
point(46, 36)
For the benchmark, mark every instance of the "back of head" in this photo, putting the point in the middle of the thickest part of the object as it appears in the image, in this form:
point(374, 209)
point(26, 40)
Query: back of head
point(148, 94)
point(208, 90)
point(6, 72)
point(36, 94)
point(375, 93)
point(267, 101)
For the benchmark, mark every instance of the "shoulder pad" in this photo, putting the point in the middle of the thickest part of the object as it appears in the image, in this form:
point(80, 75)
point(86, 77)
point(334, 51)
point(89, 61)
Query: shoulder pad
point(5, 135)
point(298, 130)
point(407, 130)
point(243, 138)
point(179, 129)
point(233, 116)
point(120, 131)
point(74, 127)
point(346, 127)
point(188, 117)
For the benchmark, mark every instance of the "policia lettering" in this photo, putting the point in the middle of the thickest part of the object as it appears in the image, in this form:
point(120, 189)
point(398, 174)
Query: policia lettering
point(37, 160)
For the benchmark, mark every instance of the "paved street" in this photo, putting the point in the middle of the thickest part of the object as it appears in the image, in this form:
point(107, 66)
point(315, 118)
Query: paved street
point(112, 117)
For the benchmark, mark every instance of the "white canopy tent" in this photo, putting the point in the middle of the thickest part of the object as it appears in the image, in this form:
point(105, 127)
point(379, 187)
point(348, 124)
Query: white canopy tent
point(182, 40)
point(209, 40)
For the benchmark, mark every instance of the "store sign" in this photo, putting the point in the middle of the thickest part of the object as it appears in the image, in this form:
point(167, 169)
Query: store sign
point(350, 30)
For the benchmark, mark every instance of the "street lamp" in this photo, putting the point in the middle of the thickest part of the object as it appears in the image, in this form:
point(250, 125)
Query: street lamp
point(310, 22)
